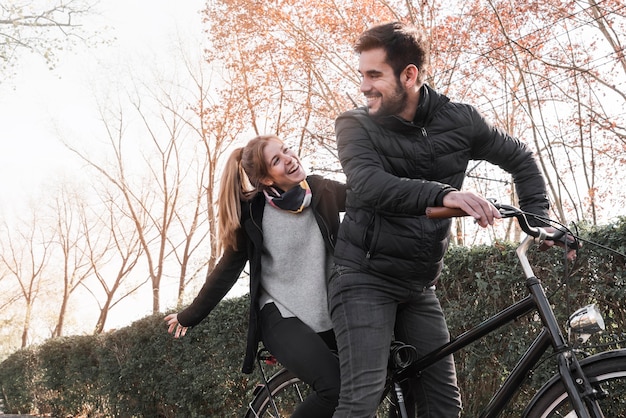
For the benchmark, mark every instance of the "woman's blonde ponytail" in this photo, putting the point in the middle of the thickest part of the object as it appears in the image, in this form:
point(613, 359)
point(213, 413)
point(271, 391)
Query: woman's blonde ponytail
point(228, 203)
point(241, 180)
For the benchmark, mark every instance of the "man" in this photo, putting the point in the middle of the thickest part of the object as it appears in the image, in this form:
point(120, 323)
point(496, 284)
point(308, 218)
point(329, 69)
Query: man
point(406, 150)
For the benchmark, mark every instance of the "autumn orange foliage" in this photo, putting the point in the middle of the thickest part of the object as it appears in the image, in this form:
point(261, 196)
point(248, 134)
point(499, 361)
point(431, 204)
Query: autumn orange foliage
point(551, 73)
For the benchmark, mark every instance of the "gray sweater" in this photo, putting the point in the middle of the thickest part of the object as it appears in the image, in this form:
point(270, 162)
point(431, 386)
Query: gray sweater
point(295, 267)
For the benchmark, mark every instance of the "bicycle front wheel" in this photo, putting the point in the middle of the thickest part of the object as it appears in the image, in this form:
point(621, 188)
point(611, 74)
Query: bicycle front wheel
point(606, 375)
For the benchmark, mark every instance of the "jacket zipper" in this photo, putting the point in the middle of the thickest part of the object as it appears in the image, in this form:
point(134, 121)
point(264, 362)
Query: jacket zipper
point(369, 245)
point(252, 217)
point(430, 146)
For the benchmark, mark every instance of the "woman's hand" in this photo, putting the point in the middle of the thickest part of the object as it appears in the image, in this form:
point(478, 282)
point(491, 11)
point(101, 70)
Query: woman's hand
point(174, 327)
point(571, 253)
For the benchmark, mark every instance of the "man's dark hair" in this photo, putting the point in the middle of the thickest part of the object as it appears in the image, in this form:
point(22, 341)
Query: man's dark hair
point(403, 45)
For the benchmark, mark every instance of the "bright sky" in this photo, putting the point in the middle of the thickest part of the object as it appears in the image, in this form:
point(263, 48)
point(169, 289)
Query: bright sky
point(39, 105)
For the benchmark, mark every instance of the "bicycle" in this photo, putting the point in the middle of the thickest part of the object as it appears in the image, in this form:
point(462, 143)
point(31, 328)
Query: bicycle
point(585, 386)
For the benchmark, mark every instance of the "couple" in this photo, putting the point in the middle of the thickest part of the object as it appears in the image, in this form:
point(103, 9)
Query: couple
point(316, 285)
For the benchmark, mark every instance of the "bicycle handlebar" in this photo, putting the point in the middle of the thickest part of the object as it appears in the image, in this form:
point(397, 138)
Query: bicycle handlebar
point(508, 211)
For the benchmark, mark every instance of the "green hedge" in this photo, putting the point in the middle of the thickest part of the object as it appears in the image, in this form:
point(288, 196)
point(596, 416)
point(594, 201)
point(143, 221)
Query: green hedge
point(480, 281)
point(136, 371)
point(141, 371)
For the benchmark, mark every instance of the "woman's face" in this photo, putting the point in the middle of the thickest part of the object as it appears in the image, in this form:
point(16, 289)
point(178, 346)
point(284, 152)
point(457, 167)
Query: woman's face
point(283, 166)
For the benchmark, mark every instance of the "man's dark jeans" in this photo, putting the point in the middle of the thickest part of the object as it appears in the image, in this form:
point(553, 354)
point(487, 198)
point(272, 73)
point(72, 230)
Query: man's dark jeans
point(367, 312)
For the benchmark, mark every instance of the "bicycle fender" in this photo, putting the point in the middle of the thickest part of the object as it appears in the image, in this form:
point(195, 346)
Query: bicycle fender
point(586, 362)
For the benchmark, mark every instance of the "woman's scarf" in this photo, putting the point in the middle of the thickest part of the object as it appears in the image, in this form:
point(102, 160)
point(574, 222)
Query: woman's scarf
point(293, 200)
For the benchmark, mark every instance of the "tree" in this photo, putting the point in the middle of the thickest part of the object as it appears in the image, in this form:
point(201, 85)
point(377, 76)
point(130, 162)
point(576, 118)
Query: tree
point(536, 62)
point(24, 255)
point(159, 172)
point(215, 120)
point(72, 227)
point(42, 28)
point(289, 65)
point(114, 249)
point(535, 69)
point(9, 316)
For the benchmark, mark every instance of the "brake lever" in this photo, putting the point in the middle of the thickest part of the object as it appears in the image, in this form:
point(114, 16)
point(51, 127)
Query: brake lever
point(507, 211)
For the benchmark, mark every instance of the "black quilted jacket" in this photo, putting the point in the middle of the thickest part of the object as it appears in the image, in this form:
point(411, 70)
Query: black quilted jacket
point(396, 169)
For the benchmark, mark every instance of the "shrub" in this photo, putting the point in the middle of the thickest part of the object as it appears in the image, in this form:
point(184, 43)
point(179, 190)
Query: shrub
point(20, 381)
point(141, 371)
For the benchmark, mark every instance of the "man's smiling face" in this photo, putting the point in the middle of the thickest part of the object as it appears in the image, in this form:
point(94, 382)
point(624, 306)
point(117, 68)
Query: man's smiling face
point(382, 89)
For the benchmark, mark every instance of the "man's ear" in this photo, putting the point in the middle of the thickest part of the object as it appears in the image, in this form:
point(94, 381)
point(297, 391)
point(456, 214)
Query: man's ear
point(409, 75)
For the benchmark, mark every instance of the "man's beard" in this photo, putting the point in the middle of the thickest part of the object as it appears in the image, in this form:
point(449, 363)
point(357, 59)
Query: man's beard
point(391, 105)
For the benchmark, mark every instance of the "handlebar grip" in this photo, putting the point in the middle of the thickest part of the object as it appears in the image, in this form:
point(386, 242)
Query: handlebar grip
point(559, 235)
point(441, 212)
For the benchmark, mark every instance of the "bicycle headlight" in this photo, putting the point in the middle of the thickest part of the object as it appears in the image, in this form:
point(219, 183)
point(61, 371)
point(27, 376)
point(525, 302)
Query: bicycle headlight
point(584, 322)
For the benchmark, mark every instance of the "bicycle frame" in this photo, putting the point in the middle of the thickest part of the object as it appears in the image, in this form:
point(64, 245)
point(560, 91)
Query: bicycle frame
point(571, 377)
point(537, 301)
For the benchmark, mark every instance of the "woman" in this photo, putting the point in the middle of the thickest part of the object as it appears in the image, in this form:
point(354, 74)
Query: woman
point(284, 223)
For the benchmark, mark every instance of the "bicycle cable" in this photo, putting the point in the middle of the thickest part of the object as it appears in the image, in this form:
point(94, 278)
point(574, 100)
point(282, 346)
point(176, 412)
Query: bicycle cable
point(617, 340)
point(565, 279)
point(569, 231)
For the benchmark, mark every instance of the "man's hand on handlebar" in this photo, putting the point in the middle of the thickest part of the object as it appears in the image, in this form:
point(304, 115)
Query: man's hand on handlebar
point(485, 212)
point(476, 206)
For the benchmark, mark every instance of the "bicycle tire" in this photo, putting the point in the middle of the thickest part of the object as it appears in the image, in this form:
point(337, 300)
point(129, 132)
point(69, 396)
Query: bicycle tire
point(606, 372)
point(288, 391)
